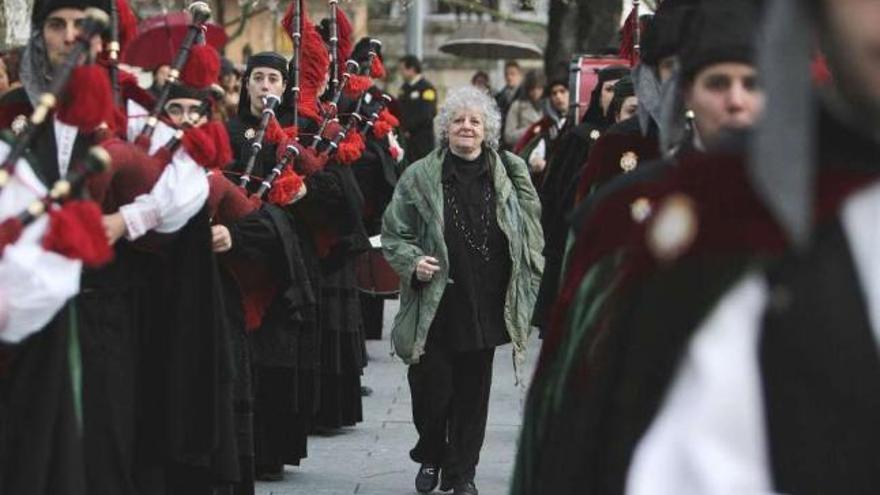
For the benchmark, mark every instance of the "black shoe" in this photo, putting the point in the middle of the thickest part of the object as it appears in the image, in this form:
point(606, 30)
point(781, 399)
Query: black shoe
point(270, 473)
point(426, 479)
point(465, 488)
point(446, 482)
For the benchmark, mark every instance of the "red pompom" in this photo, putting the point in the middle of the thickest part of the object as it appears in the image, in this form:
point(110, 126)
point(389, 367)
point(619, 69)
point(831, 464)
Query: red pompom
point(377, 69)
point(381, 129)
point(10, 231)
point(357, 85)
point(200, 147)
point(273, 134)
point(89, 99)
point(384, 124)
point(351, 148)
point(218, 135)
point(202, 68)
point(285, 188)
point(389, 117)
point(77, 232)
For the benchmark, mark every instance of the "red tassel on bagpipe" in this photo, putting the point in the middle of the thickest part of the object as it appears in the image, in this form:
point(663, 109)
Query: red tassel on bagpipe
point(93, 104)
point(220, 137)
point(357, 85)
point(285, 188)
point(377, 69)
point(384, 124)
point(351, 148)
point(202, 67)
point(200, 147)
point(77, 232)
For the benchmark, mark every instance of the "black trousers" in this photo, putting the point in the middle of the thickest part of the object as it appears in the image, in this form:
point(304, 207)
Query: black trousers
point(450, 401)
point(373, 308)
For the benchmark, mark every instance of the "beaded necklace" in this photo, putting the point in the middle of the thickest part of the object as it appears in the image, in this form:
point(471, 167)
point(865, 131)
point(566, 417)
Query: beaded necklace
point(478, 242)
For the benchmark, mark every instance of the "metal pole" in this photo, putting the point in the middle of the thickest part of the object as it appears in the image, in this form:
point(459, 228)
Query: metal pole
point(415, 28)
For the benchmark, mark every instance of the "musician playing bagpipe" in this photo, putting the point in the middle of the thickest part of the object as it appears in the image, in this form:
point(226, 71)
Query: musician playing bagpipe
point(132, 352)
point(269, 273)
point(376, 172)
point(44, 245)
point(331, 216)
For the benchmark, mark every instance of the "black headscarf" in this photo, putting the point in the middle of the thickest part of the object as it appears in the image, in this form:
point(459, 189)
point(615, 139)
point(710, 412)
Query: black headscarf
point(42, 8)
point(272, 60)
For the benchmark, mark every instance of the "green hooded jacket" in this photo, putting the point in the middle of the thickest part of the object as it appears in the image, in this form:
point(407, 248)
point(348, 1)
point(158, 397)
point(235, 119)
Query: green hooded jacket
point(413, 227)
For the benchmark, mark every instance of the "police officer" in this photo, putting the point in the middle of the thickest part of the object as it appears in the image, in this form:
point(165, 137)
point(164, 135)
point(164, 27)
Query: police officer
point(418, 104)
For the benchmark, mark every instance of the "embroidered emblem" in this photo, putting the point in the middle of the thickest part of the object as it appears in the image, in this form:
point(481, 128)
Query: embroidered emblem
point(629, 161)
point(429, 95)
point(250, 133)
point(674, 228)
point(640, 209)
point(19, 124)
point(595, 134)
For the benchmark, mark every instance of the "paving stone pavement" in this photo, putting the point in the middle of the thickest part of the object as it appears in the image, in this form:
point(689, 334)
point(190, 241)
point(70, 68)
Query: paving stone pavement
point(372, 458)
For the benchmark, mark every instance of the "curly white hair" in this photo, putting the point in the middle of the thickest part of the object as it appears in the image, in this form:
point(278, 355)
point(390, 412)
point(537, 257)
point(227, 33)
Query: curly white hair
point(469, 97)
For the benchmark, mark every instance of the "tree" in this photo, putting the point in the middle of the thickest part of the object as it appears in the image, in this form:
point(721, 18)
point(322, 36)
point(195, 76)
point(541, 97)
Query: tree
point(579, 26)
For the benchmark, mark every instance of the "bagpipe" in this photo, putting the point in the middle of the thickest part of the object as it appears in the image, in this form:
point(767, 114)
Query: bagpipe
point(270, 103)
point(75, 229)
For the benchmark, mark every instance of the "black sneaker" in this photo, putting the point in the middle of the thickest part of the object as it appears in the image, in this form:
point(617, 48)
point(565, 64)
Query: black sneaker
point(465, 488)
point(427, 478)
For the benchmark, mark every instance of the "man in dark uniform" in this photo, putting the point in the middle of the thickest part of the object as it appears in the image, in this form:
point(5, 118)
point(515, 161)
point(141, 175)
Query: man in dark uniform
point(418, 106)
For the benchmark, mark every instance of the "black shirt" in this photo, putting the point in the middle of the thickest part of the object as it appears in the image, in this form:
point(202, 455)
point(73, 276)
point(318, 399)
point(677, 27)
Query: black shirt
point(471, 312)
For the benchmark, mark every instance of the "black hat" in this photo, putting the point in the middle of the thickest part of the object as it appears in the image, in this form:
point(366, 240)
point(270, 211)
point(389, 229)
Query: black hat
point(42, 8)
point(721, 31)
point(594, 111)
point(665, 32)
point(271, 60)
point(178, 90)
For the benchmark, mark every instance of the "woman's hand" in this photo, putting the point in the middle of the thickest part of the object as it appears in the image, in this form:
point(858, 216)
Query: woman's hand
point(221, 240)
point(114, 227)
point(426, 268)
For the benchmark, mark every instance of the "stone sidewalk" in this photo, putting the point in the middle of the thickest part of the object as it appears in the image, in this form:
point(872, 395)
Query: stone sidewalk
point(372, 458)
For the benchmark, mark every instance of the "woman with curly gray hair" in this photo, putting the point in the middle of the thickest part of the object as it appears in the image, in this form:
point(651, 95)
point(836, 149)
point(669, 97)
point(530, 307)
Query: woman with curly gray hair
point(463, 233)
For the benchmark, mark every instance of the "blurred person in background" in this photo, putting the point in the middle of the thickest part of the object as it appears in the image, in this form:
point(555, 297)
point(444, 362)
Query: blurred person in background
point(481, 80)
point(525, 110)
